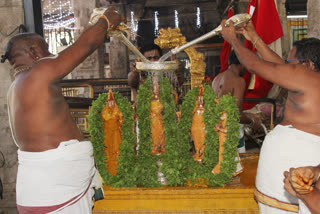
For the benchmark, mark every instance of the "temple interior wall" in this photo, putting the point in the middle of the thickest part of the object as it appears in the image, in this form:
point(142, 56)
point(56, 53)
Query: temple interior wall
point(8, 149)
point(313, 10)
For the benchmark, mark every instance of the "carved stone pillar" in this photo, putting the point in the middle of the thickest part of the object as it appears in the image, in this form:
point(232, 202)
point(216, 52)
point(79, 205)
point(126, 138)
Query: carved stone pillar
point(119, 58)
point(92, 67)
point(313, 8)
point(12, 15)
point(285, 45)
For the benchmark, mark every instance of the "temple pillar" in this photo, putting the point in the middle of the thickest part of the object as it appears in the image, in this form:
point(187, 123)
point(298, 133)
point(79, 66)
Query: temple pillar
point(285, 45)
point(115, 49)
point(119, 57)
point(313, 11)
point(8, 149)
point(93, 66)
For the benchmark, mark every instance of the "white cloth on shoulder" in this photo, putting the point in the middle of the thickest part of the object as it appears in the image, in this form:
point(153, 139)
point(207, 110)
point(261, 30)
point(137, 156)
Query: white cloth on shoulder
point(283, 148)
point(49, 181)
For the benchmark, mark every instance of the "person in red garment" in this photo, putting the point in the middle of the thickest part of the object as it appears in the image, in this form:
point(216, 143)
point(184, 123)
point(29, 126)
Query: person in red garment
point(266, 20)
point(295, 141)
point(56, 168)
point(231, 82)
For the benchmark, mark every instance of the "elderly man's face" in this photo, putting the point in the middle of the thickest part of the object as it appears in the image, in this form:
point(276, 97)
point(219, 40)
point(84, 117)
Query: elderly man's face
point(152, 55)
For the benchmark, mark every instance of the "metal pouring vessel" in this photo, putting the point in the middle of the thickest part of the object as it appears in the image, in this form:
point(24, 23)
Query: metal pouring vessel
point(162, 65)
point(237, 20)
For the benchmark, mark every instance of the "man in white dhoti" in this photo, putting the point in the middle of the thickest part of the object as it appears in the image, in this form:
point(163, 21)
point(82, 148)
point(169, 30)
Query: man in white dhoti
point(56, 167)
point(296, 141)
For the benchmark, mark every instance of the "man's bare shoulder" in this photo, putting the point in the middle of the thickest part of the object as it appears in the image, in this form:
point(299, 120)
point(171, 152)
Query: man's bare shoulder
point(220, 75)
point(33, 84)
point(242, 82)
point(45, 65)
point(216, 81)
point(41, 67)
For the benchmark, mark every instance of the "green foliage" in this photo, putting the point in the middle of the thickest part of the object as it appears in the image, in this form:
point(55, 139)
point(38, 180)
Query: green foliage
point(126, 162)
point(146, 163)
point(178, 164)
point(176, 157)
point(184, 125)
point(227, 103)
point(211, 151)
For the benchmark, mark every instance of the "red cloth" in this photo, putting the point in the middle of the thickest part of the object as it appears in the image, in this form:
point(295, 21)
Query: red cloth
point(253, 3)
point(226, 49)
point(209, 78)
point(268, 23)
point(268, 26)
point(261, 89)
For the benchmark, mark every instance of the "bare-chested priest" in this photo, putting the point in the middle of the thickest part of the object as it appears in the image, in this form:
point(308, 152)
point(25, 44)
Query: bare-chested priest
point(231, 82)
point(296, 141)
point(56, 167)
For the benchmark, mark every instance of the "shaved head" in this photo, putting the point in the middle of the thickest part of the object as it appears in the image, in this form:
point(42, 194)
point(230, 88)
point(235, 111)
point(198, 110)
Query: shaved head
point(23, 42)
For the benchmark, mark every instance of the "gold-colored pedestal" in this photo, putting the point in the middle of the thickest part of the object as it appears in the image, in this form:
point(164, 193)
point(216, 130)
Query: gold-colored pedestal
point(235, 198)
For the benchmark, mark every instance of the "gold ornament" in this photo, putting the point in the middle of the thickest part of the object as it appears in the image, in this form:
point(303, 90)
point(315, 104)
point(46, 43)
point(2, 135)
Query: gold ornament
point(171, 38)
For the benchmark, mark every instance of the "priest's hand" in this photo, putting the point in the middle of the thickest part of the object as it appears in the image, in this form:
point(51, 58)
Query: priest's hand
point(249, 32)
point(228, 32)
point(302, 178)
point(287, 185)
point(114, 18)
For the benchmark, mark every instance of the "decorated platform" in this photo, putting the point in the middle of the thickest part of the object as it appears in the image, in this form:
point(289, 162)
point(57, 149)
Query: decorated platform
point(161, 157)
point(235, 197)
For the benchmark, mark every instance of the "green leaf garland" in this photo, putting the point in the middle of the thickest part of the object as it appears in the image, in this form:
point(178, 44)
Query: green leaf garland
point(175, 160)
point(178, 164)
point(126, 162)
point(211, 118)
point(146, 162)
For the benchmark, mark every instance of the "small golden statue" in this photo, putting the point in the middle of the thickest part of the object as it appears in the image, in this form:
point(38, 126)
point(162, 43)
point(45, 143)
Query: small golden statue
point(112, 118)
point(221, 128)
point(157, 127)
point(198, 130)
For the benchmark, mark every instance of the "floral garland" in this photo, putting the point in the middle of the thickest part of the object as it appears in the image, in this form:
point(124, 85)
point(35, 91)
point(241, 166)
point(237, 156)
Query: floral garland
point(211, 118)
point(126, 176)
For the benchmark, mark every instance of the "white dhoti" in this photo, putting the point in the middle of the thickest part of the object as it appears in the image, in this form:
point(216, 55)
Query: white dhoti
point(60, 180)
point(284, 147)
